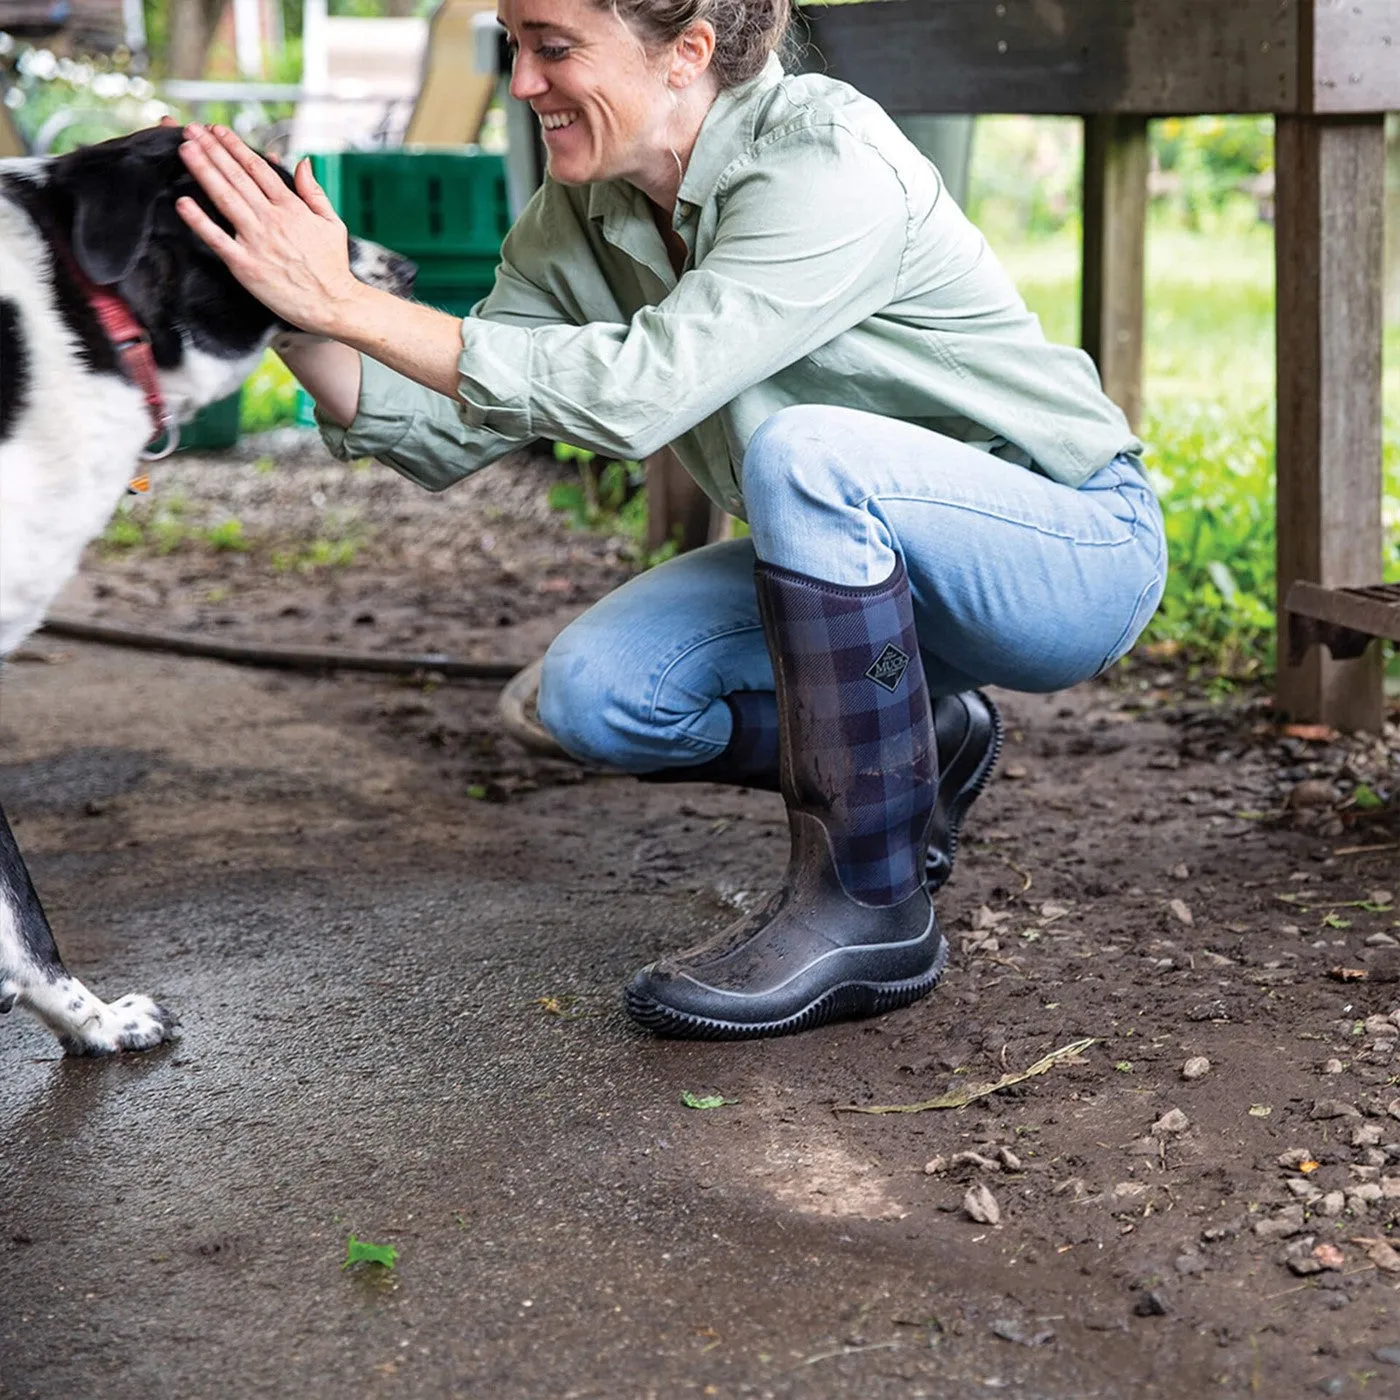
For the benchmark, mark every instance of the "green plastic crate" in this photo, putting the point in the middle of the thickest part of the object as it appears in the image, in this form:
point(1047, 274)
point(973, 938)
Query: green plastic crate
point(213, 427)
point(447, 210)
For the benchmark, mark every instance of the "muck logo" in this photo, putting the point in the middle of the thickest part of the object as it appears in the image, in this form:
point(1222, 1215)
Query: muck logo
point(889, 666)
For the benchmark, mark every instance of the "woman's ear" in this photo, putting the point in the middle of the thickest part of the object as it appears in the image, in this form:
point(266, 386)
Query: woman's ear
point(691, 54)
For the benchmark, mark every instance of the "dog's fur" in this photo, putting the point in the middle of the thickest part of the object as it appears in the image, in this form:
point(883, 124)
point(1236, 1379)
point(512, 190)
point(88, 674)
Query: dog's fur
point(72, 430)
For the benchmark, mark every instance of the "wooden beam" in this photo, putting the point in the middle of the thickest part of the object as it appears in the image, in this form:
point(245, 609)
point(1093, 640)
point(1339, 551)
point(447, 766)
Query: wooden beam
point(1330, 173)
point(1115, 241)
point(1165, 57)
point(1353, 48)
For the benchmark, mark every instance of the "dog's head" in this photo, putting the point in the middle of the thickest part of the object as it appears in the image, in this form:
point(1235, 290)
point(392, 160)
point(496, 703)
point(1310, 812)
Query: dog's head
point(206, 330)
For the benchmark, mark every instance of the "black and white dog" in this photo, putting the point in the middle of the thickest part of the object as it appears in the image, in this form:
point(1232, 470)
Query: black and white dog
point(116, 325)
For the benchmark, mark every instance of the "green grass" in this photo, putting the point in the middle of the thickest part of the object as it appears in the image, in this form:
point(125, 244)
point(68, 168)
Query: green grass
point(1209, 409)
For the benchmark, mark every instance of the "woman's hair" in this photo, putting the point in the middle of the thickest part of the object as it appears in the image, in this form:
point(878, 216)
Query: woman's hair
point(746, 31)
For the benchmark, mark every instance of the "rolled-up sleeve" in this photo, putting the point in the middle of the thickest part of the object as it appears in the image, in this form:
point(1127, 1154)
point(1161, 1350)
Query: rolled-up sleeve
point(809, 243)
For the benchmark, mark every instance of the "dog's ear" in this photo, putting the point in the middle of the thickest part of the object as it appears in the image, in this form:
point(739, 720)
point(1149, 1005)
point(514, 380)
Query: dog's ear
point(114, 207)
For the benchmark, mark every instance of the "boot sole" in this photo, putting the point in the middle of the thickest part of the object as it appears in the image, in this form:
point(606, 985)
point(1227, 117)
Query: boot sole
point(969, 792)
point(847, 1002)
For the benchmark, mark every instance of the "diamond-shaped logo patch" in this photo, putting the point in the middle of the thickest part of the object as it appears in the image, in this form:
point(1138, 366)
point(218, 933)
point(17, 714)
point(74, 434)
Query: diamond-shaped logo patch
point(889, 667)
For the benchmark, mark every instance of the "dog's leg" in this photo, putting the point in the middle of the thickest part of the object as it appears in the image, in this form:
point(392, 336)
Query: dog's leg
point(32, 975)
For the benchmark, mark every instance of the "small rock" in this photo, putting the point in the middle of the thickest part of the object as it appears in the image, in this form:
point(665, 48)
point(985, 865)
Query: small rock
point(1010, 1331)
point(1368, 1191)
point(981, 1205)
point(1367, 1135)
point(1390, 1188)
point(1196, 1067)
point(1294, 1157)
point(1289, 1221)
point(1333, 1204)
point(1332, 1385)
point(1332, 1067)
point(1312, 792)
point(1378, 1025)
point(1181, 872)
point(973, 1159)
point(1333, 1108)
point(1389, 1355)
point(1190, 1264)
point(1382, 940)
point(1009, 1159)
point(1151, 1303)
point(935, 1165)
point(1182, 911)
point(1172, 1121)
point(1303, 1189)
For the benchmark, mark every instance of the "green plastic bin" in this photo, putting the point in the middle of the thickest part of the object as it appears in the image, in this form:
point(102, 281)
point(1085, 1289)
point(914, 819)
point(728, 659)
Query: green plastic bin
point(447, 210)
point(214, 427)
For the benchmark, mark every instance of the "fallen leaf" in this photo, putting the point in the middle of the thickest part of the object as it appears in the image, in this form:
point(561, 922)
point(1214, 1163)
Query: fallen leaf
point(1347, 974)
point(1380, 1252)
point(363, 1252)
point(705, 1100)
point(1310, 733)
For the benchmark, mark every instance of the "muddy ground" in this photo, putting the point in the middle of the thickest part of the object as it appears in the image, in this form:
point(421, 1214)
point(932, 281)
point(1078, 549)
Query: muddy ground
point(396, 941)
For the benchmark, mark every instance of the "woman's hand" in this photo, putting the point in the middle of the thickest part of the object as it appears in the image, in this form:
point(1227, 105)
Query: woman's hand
point(287, 248)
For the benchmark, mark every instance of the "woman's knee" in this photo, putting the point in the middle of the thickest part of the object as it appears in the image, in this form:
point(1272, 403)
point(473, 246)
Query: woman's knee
point(577, 697)
point(802, 451)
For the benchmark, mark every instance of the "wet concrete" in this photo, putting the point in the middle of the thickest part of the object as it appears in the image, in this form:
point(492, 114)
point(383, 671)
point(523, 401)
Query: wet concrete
point(359, 959)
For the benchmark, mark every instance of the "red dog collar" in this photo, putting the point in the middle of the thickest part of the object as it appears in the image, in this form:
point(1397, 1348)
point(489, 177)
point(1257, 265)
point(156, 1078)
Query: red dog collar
point(133, 346)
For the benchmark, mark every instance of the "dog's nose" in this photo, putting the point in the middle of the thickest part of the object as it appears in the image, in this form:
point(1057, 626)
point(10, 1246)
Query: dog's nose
point(402, 270)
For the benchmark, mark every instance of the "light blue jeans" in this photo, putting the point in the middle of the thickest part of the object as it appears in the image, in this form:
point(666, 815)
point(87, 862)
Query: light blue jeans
point(1017, 581)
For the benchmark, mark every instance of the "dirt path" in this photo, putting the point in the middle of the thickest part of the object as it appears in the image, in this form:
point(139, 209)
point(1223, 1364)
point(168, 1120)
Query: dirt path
point(401, 1020)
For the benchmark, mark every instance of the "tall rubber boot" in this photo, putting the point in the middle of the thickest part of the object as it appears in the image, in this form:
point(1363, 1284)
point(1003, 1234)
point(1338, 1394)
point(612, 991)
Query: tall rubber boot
point(851, 931)
point(967, 732)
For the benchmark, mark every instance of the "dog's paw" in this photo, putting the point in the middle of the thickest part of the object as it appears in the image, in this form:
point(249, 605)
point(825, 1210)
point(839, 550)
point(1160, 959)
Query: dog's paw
point(133, 1023)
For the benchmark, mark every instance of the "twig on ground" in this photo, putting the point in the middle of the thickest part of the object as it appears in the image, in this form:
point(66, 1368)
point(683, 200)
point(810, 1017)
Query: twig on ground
point(960, 1098)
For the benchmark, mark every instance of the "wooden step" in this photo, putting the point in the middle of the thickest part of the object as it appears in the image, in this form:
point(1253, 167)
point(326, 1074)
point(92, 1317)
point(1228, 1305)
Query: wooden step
point(1344, 620)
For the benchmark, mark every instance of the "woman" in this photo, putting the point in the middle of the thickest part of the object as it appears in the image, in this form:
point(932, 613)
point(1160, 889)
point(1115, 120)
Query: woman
point(761, 271)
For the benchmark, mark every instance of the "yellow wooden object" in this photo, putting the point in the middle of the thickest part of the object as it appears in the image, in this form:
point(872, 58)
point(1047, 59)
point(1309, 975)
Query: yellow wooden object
point(10, 142)
point(453, 98)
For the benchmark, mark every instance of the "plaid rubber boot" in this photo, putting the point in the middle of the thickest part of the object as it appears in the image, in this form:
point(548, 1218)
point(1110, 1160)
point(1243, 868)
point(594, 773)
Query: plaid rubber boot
point(967, 731)
point(851, 931)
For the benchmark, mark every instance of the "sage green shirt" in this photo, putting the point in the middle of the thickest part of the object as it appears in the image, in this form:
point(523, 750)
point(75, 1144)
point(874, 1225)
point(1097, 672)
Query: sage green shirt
point(827, 265)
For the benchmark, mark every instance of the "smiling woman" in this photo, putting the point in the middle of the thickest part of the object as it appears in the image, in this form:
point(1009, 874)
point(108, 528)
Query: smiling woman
point(762, 272)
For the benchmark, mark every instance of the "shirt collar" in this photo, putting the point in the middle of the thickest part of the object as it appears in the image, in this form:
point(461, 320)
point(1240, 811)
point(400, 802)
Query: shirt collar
point(729, 121)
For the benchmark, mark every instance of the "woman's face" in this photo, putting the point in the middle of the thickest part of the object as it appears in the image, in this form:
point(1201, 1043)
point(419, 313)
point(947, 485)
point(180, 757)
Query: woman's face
point(601, 98)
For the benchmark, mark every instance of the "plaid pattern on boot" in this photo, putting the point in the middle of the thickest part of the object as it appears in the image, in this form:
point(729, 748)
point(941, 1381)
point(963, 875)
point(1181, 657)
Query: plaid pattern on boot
point(858, 748)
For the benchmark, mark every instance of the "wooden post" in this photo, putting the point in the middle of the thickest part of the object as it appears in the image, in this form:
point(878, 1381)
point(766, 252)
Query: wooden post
point(677, 509)
point(1115, 237)
point(1330, 173)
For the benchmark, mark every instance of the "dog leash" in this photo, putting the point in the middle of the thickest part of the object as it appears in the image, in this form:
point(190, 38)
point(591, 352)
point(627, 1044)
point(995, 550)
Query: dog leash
point(132, 344)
